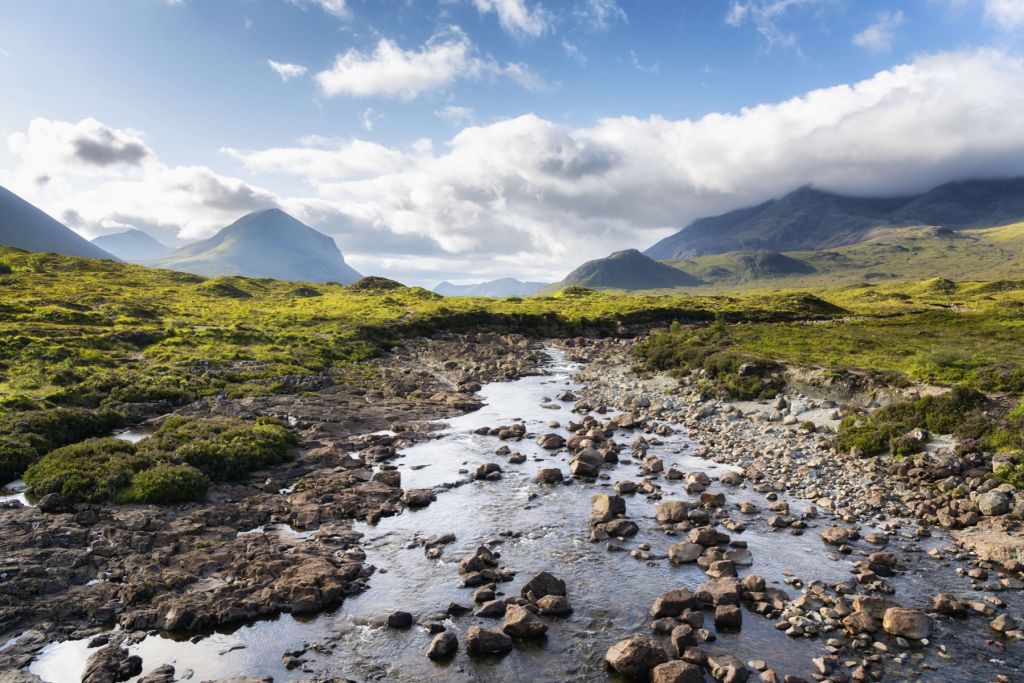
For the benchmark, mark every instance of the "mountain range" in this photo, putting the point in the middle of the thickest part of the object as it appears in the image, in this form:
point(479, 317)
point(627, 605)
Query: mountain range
point(27, 227)
point(267, 243)
point(810, 219)
point(134, 246)
point(628, 269)
point(506, 286)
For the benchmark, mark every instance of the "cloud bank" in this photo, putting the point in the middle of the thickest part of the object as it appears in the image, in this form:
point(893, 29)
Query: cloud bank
point(534, 198)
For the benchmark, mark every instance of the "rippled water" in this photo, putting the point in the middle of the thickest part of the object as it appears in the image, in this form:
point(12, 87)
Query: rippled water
point(539, 528)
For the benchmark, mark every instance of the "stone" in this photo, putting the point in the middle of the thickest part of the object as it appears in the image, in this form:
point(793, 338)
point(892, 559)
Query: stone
point(727, 669)
point(51, 502)
point(549, 475)
point(487, 641)
point(541, 585)
point(522, 623)
point(550, 442)
point(724, 591)
point(417, 498)
point(111, 664)
point(492, 609)
point(947, 605)
point(677, 672)
point(728, 617)
point(994, 503)
point(443, 646)
point(1003, 623)
point(673, 603)
point(583, 470)
point(671, 511)
point(399, 620)
point(554, 606)
point(635, 657)
point(836, 535)
point(604, 508)
point(488, 470)
point(907, 623)
point(684, 552)
point(161, 674)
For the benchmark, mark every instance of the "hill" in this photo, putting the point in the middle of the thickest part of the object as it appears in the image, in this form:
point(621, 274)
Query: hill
point(506, 286)
point(134, 246)
point(26, 227)
point(810, 219)
point(269, 244)
point(628, 270)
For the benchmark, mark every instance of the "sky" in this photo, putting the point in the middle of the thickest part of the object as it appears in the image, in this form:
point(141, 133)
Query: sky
point(474, 139)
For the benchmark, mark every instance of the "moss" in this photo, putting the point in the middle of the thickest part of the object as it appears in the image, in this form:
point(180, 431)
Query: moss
point(93, 471)
point(16, 454)
point(164, 484)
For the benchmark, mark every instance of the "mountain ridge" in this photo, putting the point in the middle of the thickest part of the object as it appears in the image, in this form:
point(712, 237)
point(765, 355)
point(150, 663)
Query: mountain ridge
point(28, 227)
point(267, 243)
point(501, 287)
point(133, 245)
point(630, 270)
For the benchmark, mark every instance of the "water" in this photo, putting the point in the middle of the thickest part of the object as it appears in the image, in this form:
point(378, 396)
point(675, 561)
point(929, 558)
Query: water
point(14, 491)
point(539, 528)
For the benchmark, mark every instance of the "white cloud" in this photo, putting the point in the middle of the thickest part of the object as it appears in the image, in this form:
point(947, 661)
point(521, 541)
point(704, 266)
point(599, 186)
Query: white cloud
point(574, 52)
point(878, 36)
point(766, 16)
point(287, 71)
point(390, 71)
point(455, 115)
point(1009, 14)
point(370, 118)
point(600, 14)
point(336, 8)
point(516, 17)
point(533, 198)
point(646, 68)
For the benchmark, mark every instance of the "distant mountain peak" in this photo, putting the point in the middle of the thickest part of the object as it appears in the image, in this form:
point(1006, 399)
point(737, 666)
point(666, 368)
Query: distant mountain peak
point(628, 269)
point(27, 227)
point(133, 245)
point(266, 243)
point(502, 287)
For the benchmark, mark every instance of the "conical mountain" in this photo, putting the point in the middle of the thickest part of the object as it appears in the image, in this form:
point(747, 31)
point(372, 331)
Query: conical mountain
point(133, 245)
point(267, 243)
point(27, 227)
point(628, 269)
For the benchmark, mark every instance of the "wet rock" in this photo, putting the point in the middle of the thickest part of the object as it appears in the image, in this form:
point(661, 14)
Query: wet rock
point(418, 498)
point(671, 511)
point(1003, 623)
point(443, 646)
point(907, 623)
point(400, 620)
point(522, 623)
point(583, 470)
point(635, 657)
point(51, 502)
point(948, 605)
point(487, 641)
point(549, 475)
point(542, 585)
point(620, 528)
point(487, 471)
point(684, 552)
point(492, 609)
point(673, 603)
point(860, 622)
point(836, 535)
point(161, 674)
point(551, 442)
point(727, 669)
point(724, 591)
point(728, 617)
point(677, 672)
point(554, 606)
point(604, 508)
point(111, 664)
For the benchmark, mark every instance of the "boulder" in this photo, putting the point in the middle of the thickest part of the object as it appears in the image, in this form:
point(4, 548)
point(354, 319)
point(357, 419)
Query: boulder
point(487, 641)
point(728, 617)
point(522, 623)
point(549, 475)
point(550, 442)
point(488, 470)
point(399, 620)
point(635, 657)
point(836, 535)
point(673, 603)
point(684, 552)
point(908, 623)
point(671, 511)
point(554, 606)
point(994, 503)
point(443, 646)
point(111, 664)
point(604, 508)
point(727, 668)
point(677, 672)
point(542, 585)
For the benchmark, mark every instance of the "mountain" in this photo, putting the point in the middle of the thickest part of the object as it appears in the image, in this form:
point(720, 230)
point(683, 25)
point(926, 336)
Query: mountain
point(628, 270)
point(267, 243)
point(26, 227)
point(506, 286)
point(133, 245)
point(809, 219)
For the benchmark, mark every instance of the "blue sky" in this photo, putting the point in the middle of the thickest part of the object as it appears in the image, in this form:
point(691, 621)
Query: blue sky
point(423, 133)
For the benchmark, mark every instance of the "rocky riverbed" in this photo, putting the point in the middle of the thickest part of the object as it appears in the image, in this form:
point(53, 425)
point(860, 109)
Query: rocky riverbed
point(580, 524)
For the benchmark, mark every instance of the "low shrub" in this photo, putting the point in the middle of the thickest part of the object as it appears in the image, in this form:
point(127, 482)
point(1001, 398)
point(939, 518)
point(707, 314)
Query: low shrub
point(93, 471)
point(164, 484)
point(16, 454)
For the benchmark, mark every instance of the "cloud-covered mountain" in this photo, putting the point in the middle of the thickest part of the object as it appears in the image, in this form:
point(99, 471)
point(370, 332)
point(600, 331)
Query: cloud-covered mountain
point(506, 286)
point(26, 227)
point(267, 243)
point(134, 246)
point(628, 269)
point(810, 219)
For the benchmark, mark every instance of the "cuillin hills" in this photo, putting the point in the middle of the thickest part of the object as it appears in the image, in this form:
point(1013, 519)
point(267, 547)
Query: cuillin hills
point(269, 244)
point(628, 269)
point(506, 286)
point(24, 226)
point(133, 245)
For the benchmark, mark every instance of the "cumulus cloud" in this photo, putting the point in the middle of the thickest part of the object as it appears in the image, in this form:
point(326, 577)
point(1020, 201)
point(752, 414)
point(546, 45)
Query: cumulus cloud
point(287, 71)
point(85, 148)
point(1009, 14)
point(516, 17)
point(534, 198)
point(336, 8)
point(879, 35)
point(393, 72)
